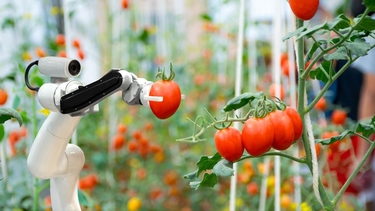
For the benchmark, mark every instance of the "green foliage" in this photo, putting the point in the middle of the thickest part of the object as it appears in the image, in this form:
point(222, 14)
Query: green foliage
point(241, 100)
point(9, 113)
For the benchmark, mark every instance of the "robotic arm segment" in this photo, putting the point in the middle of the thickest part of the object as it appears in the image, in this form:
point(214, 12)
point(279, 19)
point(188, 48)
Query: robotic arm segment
point(93, 93)
point(134, 94)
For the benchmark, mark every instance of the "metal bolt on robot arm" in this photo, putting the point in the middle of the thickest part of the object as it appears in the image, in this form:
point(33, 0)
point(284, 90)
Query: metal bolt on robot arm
point(51, 155)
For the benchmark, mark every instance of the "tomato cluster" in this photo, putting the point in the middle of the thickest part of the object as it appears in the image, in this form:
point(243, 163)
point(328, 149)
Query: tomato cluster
point(279, 129)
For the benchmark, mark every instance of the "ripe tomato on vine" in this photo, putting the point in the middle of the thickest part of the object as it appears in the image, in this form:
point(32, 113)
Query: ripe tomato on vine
point(257, 135)
point(229, 144)
point(283, 130)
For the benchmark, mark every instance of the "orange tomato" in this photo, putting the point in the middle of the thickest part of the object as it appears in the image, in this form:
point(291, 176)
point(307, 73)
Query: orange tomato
point(338, 116)
point(304, 10)
point(76, 43)
point(80, 54)
point(121, 128)
point(61, 53)
point(321, 105)
point(125, 4)
point(170, 178)
point(60, 39)
point(13, 137)
point(285, 201)
point(133, 146)
point(40, 52)
point(118, 141)
point(3, 96)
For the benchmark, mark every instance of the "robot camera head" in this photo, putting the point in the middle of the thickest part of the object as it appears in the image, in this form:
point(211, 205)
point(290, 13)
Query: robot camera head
point(59, 67)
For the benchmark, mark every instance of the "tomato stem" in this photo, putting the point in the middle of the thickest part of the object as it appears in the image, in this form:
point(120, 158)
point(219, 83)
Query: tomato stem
point(161, 74)
point(274, 154)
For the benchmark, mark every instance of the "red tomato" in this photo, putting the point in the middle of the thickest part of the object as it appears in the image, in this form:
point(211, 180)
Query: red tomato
point(257, 135)
point(285, 68)
point(284, 58)
point(229, 144)
point(305, 9)
point(321, 105)
point(252, 188)
point(3, 96)
point(284, 131)
point(171, 93)
point(125, 4)
point(296, 121)
point(133, 146)
point(118, 141)
point(338, 117)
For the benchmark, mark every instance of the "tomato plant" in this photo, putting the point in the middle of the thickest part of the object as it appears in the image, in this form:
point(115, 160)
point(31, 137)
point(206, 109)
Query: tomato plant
point(171, 93)
point(304, 10)
point(229, 144)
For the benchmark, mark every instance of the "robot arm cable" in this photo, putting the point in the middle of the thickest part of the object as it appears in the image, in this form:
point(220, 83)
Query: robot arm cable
point(27, 76)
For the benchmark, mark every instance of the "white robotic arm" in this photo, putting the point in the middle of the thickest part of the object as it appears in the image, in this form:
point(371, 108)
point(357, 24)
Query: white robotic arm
point(51, 156)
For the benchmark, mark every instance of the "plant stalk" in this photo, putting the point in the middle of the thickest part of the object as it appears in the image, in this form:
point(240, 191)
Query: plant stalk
point(301, 110)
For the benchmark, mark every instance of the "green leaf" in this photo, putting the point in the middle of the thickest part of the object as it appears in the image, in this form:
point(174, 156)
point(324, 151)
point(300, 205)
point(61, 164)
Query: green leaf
point(206, 17)
point(339, 22)
point(9, 113)
point(241, 100)
point(37, 80)
point(370, 4)
point(319, 74)
point(207, 163)
point(312, 50)
point(144, 36)
point(309, 32)
point(83, 199)
point(366, 129)
point(223, 168)
point(367, 24)
point(359, 47)
point(334, 139)
point(24, 116)
point(8, 23)
point(339, 54)
point(2, 132)
point(192, 175)
point(209, 180)
point(294, 33)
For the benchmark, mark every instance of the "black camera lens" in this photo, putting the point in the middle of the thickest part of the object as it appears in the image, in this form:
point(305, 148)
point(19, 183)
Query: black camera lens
point(74, 67)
